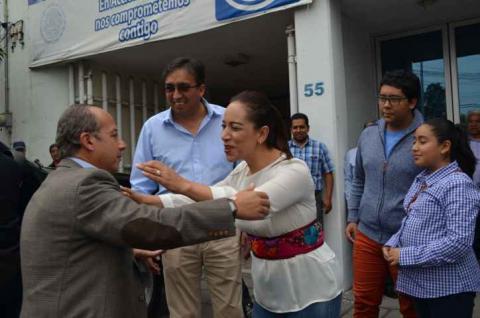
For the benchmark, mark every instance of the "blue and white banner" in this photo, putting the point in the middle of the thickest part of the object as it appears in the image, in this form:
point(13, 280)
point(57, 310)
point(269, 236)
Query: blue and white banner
point(61, 30)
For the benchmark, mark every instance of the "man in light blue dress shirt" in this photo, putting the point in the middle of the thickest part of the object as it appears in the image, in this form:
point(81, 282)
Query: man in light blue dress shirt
point(186, 137)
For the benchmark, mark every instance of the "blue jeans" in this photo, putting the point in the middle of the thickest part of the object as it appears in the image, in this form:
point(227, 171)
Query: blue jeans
point(326, 309)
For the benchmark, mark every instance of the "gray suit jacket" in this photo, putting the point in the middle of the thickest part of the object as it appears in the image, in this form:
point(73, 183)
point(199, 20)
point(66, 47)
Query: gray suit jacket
point(76, 242)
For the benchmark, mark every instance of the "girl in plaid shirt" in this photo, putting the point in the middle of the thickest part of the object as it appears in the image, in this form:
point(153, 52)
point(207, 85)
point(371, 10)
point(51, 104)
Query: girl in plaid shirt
point(433, 247)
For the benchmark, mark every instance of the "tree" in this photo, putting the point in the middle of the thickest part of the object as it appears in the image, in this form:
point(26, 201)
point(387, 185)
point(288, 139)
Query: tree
point(434, 104)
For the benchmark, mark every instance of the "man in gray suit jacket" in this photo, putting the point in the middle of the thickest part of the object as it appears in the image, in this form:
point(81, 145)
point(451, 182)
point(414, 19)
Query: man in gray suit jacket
point(79, 230)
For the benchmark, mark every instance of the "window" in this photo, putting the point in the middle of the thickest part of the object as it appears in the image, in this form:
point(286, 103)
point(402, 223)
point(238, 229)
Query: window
point(447, 64)
point(467, 51)
point(422, 54)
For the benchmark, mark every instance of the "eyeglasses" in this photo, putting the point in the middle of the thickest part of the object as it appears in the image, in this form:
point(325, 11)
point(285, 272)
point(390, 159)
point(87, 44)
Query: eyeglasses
point(180, 87)
point(393, 100)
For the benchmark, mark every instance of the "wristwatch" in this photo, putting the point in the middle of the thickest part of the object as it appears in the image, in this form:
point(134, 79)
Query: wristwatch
point(233, 207)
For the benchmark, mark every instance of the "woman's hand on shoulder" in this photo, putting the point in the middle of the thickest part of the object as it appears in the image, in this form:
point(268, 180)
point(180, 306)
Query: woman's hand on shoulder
point(165, 176)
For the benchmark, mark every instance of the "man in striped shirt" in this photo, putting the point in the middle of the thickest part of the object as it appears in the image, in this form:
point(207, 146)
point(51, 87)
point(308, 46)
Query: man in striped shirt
point(315, 154)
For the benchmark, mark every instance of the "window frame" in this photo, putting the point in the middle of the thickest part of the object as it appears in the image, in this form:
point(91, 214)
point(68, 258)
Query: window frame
point(453, 62)
point(449, 64)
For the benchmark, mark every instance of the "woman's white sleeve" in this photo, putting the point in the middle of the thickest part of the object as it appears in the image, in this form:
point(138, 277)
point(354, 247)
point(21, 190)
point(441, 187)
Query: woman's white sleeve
point(291, 183)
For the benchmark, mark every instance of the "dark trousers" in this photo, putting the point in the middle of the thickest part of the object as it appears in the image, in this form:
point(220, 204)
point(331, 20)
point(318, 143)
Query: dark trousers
point(318, 199)
point(158, 305)
point(456, 305)
point(476, 241)
point(11, 296)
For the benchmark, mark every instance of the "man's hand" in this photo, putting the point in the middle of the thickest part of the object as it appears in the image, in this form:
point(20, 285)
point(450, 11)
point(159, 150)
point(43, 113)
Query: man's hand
point(351, 231)
point(252, 205)
point(327, 205)
point(149, 258)
point(142, 198)
point(327, 193)
point(164, 175)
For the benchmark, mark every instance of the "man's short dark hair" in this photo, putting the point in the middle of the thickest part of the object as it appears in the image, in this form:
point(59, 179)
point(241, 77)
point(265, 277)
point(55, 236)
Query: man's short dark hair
point(74, 121)
point(406, 81)
point(51, 147)
point(300, 116)
point(191, 65)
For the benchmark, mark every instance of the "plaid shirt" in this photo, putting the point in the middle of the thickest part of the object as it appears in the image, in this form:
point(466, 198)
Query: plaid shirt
point(436, 236)
point(315, 154)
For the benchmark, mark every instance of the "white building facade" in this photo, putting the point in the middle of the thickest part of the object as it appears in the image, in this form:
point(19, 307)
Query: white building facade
point(320, 57)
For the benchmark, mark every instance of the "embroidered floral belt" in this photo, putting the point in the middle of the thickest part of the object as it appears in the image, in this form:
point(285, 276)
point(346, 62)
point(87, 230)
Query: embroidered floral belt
point(288, 245)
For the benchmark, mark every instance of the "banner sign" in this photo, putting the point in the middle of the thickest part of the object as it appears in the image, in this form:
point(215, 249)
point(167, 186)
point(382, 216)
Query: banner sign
point(61, 30)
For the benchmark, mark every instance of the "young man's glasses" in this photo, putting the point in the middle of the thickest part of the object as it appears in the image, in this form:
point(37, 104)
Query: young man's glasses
point(180, 87)
point(393, 100)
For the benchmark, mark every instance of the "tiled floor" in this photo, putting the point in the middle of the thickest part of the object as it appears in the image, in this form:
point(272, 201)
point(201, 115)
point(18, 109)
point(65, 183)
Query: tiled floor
point(388, 308)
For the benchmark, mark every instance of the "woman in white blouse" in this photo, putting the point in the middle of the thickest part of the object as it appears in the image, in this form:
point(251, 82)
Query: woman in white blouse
point(295, 274)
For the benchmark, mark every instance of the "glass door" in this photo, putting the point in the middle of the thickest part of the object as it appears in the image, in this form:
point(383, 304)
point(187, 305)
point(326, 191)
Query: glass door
point(466, 70)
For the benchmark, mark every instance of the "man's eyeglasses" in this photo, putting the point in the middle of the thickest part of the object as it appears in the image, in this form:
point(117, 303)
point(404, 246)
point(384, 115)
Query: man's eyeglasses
point(180, 87)
point(393, 100)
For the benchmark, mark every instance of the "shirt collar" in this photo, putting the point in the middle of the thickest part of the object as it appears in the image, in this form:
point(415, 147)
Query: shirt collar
point(294, 144)
point(416, 122)
point(210, 112)
point(82, 163)
point(431, 178)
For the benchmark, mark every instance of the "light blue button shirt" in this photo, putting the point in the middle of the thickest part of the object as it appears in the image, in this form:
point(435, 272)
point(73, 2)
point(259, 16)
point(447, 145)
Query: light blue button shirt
point(200, 158)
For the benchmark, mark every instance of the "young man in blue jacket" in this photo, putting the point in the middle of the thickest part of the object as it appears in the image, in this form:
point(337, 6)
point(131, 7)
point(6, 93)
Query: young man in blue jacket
point(384, 171)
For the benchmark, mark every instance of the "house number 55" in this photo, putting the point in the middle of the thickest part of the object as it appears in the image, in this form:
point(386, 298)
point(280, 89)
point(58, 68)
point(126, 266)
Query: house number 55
point(311, 89)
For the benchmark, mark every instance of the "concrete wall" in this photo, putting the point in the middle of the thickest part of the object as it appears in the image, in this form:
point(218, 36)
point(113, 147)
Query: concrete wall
point(36, 97)
point(318, 29)
point(358, 49)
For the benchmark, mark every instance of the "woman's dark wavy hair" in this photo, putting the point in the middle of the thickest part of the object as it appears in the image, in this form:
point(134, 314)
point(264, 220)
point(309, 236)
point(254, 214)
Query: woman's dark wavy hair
point(261, 112)
point(460, 150)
